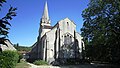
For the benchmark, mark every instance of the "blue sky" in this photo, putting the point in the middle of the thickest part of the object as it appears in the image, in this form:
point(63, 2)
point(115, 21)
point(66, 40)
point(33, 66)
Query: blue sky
point(25, 25)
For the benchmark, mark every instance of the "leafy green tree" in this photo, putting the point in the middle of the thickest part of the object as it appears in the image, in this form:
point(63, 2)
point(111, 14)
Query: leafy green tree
point(22, 48)
point(101, 30)
point(4, 22)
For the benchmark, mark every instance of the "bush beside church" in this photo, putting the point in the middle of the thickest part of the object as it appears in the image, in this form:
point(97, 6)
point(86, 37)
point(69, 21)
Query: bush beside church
point(8, 59)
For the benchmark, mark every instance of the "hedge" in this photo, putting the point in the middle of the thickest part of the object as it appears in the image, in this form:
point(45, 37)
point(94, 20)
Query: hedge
point(40, 62)
point(8, 59)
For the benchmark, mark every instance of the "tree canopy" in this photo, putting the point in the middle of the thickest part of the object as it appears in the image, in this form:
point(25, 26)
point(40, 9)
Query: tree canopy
point(22, 48)
point(101, 30)
point(4, 22)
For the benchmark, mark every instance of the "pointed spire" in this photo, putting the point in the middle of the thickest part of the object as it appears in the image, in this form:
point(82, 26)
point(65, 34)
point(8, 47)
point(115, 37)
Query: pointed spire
point(45, 17)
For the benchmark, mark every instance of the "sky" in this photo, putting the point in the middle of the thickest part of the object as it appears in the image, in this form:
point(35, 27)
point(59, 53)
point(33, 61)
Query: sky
point(25, 25)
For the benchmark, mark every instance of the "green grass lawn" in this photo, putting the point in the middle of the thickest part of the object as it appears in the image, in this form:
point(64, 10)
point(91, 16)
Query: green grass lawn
point(22, 65)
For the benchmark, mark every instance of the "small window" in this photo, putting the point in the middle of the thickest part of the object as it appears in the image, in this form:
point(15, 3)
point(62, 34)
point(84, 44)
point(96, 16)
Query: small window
point(51, 49)
point(67, 23)
point(67, 35)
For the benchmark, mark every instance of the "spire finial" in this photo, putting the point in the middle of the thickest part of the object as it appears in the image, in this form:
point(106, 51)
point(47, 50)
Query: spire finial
point(45, 16)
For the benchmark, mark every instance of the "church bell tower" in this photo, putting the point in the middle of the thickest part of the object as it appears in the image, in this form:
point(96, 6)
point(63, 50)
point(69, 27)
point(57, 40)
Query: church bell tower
point(45, 22)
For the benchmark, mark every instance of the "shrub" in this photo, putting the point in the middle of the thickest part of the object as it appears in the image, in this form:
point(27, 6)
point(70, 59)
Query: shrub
point(8, 59)
point(20, 57)
point(40, 62)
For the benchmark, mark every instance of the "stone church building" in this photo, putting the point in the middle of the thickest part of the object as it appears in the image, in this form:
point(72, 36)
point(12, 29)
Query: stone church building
point(60, 41)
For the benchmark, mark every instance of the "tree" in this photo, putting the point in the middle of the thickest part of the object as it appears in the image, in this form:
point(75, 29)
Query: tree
point(101, 30)
point(4, 22)
point(22, 48)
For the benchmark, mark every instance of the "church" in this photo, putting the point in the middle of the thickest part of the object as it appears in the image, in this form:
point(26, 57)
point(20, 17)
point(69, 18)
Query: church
point(59, 42)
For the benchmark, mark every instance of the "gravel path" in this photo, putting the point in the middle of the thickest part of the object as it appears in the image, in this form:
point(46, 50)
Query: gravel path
point(42, 66)
point(76, 66)
point(32, 65)
point(68, 66)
